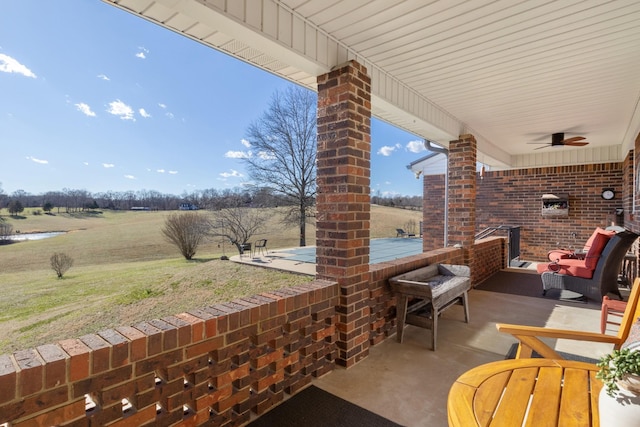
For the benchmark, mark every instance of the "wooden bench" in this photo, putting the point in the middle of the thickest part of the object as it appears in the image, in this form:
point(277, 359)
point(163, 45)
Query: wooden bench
point(426, 292)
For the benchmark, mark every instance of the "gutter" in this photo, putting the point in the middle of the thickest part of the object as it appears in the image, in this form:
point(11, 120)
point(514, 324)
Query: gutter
point(441, 150)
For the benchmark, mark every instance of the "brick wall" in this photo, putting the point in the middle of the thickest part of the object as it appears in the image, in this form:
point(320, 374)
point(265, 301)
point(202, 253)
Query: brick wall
point(513, 197)
point(214, 366)
point(217, 366)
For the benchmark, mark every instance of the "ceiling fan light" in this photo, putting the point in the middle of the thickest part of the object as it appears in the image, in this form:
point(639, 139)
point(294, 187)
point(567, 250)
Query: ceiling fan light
point(557, 138)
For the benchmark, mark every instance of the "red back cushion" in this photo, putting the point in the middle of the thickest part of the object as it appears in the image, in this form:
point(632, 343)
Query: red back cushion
point(599, 242)
point(597, 231)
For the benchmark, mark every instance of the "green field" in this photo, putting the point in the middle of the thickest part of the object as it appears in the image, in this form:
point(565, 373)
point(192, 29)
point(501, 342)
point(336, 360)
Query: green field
point(125, 272)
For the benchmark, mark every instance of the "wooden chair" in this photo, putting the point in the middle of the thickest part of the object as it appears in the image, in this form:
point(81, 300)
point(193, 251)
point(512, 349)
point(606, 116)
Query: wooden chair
point(529, 336)
point(610, 307)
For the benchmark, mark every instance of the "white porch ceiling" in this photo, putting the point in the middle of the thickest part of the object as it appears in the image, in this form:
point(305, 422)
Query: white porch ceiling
point(510, 72)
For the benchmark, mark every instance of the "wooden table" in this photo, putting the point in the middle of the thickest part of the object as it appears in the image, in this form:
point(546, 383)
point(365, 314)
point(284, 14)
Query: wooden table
point(526, 392)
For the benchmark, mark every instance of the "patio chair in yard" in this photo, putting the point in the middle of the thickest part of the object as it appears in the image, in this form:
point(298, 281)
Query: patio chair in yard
point(260, 246)
point(529, 336)
point(401, 233)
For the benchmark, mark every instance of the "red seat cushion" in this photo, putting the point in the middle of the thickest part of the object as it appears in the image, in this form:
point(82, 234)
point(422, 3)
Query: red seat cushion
point(597, 246)
point(569, 267)
point(557, 254)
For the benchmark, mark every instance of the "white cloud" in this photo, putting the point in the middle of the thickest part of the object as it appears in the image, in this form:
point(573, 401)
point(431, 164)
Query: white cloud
point(266, 156)
point(416, 146)
point(108, 165)
point(237, 154)
point(161, 105)
point(169, 115)
point(245, 143)
point(144, 113)
point(85, 109)
point(160, 170)
point(85, 163)
point(388, 150)
point(119, 108)
point(173, 172)
point(233, 173)
point(142, 53)
point(130, 177)
point(10, 65)
point(42, 162)
point(103, 77)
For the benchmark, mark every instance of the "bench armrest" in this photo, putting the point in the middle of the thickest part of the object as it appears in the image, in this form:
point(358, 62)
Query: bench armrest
point(529, 337)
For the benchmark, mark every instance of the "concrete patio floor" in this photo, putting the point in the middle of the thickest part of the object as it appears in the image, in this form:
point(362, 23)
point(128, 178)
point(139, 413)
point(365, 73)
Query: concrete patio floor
point(409, 383)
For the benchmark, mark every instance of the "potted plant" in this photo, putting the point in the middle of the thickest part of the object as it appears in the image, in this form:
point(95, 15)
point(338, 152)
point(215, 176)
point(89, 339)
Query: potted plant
point(620, 368)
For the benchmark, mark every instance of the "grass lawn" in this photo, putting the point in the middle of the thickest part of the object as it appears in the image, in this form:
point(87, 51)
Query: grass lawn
point(125, 272)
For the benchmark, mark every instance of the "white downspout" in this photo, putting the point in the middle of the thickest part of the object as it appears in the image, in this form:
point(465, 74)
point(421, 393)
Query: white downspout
point(437, 149)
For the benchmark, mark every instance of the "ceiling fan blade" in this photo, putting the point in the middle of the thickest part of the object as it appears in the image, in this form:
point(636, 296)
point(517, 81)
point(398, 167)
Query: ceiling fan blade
point(576, 144)
point(573, 139)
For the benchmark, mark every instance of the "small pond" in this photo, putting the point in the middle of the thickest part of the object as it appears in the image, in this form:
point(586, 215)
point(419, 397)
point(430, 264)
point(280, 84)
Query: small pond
point(35, 236)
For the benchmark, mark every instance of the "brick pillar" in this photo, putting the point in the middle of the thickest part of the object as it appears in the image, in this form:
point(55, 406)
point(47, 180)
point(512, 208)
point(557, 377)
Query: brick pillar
point(462, 194)
point(433, 189)
point(343, 201)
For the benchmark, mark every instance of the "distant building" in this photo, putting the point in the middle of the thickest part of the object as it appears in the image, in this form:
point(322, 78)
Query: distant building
point(187, 207)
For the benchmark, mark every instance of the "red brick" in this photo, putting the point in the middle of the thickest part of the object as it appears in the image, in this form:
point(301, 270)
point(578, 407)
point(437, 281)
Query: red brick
point(154, 337)
point(138, 418)
point(100, 353)
point(204, 347)
point(80, 358)
point(169, 334)
point(184, 329)
point(56, 416)
point(119, 347)
point(137, 342)
point(55, 372)
point(8, 377)
point(197, 325)
point(31, 372)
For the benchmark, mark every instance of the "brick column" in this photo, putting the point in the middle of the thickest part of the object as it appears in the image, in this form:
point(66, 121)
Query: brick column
point(462, 194)
point(343, 201)
point(433, 208)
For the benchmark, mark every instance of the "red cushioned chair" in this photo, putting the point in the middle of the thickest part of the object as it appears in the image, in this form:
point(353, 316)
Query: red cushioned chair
point(597, 274)
point(558, 254)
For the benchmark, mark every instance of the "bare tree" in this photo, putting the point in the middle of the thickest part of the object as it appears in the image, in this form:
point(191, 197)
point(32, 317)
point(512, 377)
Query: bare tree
point(186, 231)
point(6, 231)
point(238, 224)
point(60, 263)
point(283, 143)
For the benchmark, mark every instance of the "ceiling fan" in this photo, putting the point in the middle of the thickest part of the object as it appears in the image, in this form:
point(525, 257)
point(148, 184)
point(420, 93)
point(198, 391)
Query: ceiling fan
point(558, 140)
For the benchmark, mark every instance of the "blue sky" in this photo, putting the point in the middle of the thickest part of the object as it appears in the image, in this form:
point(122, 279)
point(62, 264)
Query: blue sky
point(94, 98)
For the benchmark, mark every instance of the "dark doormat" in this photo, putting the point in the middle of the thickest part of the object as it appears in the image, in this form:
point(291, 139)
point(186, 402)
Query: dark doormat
point(525, 284)
point(314, 407)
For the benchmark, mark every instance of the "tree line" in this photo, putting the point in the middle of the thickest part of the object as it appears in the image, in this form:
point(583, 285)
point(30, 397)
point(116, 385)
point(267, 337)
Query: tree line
point(74, 200)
